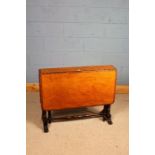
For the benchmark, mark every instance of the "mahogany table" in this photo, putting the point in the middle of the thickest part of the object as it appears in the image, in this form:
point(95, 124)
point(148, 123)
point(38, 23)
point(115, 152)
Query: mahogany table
point(76, 87)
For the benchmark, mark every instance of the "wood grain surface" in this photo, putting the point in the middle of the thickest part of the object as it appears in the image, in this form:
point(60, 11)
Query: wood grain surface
point(120, 89)
point(77, 87)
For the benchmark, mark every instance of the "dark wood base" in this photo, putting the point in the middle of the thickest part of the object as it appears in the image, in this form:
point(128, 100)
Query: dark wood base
point(49, 117)
point(105, 114)
point(46, 119)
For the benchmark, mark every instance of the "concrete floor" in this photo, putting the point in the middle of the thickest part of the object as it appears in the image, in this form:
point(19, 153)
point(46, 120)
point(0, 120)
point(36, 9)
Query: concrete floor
point(78, 137)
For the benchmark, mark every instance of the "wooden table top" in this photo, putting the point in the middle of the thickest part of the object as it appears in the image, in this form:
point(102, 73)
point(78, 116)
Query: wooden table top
point(76, 69)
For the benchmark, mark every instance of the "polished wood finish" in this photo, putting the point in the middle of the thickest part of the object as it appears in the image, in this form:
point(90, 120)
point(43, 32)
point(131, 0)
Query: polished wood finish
point(34, 87)
point(74, 87)
point(75, 69)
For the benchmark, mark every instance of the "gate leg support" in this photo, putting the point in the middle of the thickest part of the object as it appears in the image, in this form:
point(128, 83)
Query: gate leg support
point(45, 121)
point(106, 114)
point(49, 117)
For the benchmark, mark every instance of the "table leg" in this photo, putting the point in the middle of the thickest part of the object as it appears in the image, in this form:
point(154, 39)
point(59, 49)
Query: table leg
point(49, 117)
point(45, 121)
point(106, 114)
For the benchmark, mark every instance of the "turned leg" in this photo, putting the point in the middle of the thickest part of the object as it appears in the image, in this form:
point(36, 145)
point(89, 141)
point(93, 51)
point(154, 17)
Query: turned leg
point(45, 121)
point(49, 117)
point(106, 114)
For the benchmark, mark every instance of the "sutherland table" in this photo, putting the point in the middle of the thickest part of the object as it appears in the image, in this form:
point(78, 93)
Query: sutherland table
point(75, 87)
